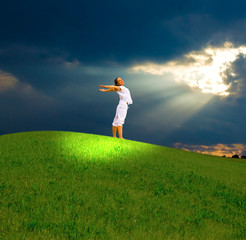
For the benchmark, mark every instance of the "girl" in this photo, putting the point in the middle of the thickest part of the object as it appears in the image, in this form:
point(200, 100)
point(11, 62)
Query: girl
point(121, 110)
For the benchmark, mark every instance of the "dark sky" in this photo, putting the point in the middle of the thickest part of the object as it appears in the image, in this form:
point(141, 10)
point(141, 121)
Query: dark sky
point(54, 55)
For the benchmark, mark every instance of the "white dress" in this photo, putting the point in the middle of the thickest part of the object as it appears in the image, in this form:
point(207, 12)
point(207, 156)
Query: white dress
point(121, 110)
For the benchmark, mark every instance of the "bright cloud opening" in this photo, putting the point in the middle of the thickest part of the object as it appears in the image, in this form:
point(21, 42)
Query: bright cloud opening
point(207, 70)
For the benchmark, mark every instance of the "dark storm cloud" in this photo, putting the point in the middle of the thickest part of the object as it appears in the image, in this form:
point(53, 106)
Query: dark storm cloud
point(67, 107)
point(238, 82)
point(93, 31)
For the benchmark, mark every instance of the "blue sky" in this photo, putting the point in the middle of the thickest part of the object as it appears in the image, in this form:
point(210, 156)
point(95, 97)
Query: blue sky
point(54, 54)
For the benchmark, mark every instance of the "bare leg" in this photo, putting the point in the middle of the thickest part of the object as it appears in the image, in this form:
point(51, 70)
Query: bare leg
point(120, 129)
point(114, 130)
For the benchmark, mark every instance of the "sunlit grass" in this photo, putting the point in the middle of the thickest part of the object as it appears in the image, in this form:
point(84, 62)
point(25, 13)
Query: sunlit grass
point(64, 185)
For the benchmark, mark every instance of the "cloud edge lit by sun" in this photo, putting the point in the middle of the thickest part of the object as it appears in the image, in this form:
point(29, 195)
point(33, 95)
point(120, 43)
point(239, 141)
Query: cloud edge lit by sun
point(207, 70)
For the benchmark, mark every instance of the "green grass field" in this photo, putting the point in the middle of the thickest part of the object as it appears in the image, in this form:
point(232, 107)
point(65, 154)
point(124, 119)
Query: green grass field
point(66, 185)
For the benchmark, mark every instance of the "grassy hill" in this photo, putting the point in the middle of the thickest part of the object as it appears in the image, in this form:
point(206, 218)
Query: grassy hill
point(66, 185)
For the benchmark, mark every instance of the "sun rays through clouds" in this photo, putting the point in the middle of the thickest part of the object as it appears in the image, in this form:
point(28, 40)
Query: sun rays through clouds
point(209, 70)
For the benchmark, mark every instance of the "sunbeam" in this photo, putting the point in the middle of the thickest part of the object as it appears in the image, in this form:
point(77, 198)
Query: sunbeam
point(209, 70)
point(172, 108)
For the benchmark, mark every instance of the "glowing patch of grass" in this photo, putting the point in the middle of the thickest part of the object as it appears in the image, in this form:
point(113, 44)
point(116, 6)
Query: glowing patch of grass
point(64, 185)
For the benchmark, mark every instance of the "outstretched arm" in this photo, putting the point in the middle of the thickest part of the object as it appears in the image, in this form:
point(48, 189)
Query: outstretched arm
point(110, 88)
